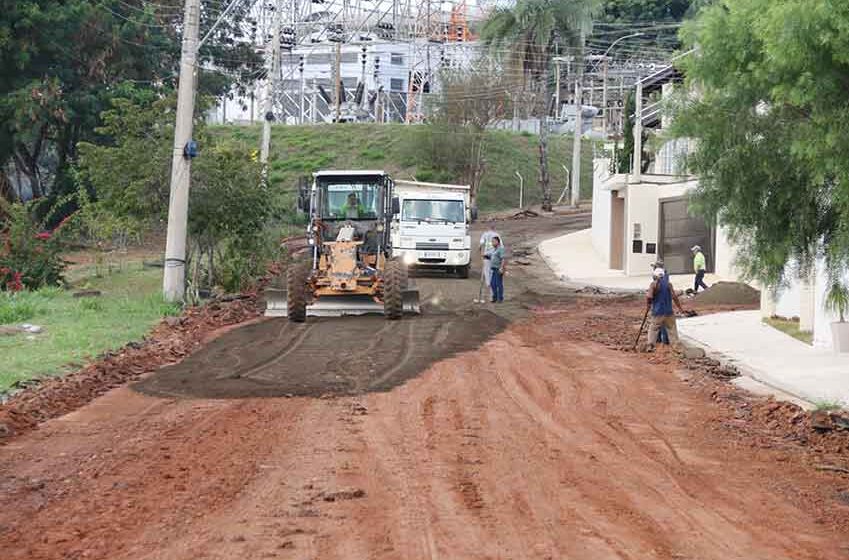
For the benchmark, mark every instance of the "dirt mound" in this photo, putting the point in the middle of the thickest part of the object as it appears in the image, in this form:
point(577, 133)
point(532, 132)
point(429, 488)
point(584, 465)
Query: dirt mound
point(729, 293)
point(322, 357)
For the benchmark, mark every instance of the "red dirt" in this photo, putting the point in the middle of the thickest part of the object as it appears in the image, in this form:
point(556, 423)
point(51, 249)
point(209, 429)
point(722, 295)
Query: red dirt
point(534, 446)
point(549, 441)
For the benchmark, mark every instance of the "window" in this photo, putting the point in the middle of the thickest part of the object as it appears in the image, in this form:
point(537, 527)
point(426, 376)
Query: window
point(433, 211)
point(397, 59)
point(349, 57)
point(396, 84)
point(357, 199)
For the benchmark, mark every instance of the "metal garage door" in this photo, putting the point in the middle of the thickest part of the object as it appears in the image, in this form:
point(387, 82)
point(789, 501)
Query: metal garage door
point(679, 231)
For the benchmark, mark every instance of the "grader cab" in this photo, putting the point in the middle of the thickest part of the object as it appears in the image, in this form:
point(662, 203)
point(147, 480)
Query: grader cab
point(351, 270)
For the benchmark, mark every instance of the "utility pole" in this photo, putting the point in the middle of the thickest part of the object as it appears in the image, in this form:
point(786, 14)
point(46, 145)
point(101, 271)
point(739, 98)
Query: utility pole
point(604, 116)
point(557, 88)
point(271, 85)
point(314, 106)
point(637, 170)
point(579, 125)
point(301, 108)
point(338, 76)
point(174, 277)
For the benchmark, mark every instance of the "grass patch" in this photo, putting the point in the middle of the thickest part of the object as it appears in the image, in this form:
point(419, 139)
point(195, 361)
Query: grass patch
point(77, 330)
point(827, 406)
point(790, 327)
point(301, 150)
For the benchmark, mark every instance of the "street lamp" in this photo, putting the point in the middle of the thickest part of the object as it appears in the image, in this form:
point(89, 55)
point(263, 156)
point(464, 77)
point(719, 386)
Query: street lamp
point(614, 43)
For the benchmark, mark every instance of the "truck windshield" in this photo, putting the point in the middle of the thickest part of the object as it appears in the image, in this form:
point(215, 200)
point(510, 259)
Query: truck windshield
point(350, 200)
point(432, 211)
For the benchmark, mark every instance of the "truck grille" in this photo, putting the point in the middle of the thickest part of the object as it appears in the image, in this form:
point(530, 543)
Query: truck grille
point(420, 246)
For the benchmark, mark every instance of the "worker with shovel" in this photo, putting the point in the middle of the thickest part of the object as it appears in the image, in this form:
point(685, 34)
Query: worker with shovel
point(659, 299)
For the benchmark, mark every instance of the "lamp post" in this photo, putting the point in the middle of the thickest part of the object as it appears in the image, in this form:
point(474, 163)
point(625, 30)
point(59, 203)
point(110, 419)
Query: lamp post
point(521, 190)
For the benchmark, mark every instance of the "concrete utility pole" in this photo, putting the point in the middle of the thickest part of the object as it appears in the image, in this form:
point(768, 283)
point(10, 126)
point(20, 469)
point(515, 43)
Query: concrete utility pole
point(637, 170)
point(338, 77)
point(173, 280)
point(271, 84)
point(576, 143)
point(557, 89)
point(314, 107)
point(301, 101)
point(604, 116)
point(521, 190)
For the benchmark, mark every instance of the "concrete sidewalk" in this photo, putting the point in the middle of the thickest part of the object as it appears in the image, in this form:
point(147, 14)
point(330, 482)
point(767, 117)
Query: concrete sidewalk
point(574, 260)
point(771, 357)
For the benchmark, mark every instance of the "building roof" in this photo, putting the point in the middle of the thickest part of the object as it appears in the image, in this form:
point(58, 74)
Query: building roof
point(357, 172)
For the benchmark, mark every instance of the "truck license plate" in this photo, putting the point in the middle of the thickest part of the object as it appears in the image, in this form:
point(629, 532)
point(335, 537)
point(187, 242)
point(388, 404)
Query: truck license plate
point(433, 255)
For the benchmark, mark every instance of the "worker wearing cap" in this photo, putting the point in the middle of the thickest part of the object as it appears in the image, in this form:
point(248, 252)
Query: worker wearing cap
point(659, 300)
point(657, 269)
point(486, 249)
point(699, 267)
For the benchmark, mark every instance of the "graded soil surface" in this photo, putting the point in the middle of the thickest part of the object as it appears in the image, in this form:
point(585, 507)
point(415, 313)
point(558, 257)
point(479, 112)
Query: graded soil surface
point(338, 356)
point(534, 437)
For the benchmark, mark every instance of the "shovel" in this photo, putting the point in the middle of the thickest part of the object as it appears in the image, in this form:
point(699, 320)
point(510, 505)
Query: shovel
point(640, 332)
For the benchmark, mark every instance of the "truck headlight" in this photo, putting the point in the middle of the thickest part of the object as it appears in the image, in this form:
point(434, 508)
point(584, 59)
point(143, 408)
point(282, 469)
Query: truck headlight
point(409, 258)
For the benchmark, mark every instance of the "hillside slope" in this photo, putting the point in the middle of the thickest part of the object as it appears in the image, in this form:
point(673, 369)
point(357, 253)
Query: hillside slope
point(300, 150)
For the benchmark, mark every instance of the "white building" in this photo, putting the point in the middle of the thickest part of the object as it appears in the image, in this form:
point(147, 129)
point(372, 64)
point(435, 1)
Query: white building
point(643, 216)
point(386, 66)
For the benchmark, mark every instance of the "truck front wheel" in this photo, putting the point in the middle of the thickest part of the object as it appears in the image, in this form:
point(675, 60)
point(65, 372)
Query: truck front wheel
point(463, 271)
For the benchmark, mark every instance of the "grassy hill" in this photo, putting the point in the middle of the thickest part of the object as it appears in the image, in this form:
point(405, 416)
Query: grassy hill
point(300, 150)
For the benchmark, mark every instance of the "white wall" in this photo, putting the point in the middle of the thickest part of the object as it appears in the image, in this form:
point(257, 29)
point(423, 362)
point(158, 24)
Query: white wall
point(601, 208)
point(642, 206)
point(822, 318)
point(724, 256)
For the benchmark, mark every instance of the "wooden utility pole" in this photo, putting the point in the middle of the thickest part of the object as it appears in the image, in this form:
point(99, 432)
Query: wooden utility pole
point(271, 84)
point(174, 276)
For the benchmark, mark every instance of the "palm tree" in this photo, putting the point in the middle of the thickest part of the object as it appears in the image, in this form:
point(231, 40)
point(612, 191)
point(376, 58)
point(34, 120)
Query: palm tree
point(526, 37)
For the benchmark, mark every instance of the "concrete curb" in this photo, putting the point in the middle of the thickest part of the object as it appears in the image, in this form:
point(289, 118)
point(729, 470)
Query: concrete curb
point(577, 285)
point(751, 380)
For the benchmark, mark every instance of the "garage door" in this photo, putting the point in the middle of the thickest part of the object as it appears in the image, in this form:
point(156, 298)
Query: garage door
point(678, 233)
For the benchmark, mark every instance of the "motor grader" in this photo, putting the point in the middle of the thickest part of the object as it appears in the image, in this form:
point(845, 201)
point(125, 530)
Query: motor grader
point(350, 269)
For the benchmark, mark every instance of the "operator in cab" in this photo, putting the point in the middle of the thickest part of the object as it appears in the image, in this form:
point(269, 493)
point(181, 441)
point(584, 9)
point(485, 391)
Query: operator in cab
point(353, 209)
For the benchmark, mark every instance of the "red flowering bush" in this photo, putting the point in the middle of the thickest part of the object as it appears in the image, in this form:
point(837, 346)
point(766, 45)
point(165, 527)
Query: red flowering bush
point(29, 258)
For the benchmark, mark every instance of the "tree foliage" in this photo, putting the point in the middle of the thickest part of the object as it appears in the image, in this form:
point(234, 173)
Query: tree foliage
point(772, 125)
point(230, 209)
point(526, 36)
point(61, 62)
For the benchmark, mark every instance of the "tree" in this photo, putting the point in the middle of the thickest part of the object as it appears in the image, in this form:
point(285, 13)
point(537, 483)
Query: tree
point(770, 123)
point(653, 11)
point(230, 209)
point(531, 32)
point(61, 61)
point(469, 102)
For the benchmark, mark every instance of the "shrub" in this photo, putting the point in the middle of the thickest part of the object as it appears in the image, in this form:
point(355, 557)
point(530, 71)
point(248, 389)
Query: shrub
point(29, 257)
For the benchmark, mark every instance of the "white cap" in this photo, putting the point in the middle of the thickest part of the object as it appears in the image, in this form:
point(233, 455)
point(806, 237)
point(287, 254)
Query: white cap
point(696, 248)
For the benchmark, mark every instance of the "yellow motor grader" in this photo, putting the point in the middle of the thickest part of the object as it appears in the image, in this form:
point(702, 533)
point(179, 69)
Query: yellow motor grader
point(350, 270)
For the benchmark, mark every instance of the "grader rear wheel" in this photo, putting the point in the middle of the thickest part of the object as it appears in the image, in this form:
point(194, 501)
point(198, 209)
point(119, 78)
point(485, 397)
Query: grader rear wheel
point(394, 279)
point(296, 291)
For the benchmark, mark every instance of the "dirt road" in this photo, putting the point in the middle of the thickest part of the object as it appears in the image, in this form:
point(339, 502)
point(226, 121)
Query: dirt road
point(521, 437)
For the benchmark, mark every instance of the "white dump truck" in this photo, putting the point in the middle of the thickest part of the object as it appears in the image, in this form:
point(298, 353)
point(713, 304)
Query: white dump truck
point(431, 228)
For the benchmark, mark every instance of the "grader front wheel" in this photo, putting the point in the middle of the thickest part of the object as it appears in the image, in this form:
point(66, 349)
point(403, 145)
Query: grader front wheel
point(296, 291)
point(394, 278)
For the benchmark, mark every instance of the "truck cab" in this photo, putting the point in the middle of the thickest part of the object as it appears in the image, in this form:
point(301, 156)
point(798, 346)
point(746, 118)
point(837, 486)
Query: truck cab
point(431, 227)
